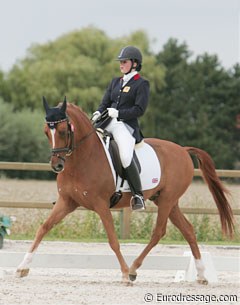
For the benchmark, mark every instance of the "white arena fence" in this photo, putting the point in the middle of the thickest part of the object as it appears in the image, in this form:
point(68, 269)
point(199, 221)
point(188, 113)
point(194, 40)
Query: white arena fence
point(183, 265)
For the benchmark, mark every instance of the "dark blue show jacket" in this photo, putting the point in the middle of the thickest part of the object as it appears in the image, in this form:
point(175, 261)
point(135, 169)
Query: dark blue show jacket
point(131, 101)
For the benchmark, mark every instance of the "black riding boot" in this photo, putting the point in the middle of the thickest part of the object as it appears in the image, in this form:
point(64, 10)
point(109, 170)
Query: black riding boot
point(132, 175)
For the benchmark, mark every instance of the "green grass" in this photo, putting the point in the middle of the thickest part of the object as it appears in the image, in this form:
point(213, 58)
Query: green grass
point(88, 228)
point(127, 241)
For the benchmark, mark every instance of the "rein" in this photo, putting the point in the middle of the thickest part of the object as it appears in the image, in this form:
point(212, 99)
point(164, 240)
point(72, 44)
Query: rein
point(84, 138)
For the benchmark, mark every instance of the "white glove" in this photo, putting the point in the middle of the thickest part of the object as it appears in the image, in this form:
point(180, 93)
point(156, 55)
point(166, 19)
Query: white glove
point(95, 116)
point(112, 112)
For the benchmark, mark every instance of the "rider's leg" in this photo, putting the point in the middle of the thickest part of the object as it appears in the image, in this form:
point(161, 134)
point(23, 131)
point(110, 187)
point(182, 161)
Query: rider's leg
point(126, 144)
point(132, 175)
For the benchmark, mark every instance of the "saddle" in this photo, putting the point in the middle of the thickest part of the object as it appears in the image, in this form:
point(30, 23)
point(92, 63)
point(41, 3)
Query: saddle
point(112, 147)
point(111, 144)
point(144, 156)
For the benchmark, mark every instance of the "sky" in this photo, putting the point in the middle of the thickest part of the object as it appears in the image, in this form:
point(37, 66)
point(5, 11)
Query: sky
point(211, 26)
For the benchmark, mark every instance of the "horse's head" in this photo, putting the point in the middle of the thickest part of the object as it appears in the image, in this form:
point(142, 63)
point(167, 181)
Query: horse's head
point(59, 131)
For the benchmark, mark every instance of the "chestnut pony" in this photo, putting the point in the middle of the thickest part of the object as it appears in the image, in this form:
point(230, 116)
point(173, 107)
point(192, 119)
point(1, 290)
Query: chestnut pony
point(85, 179)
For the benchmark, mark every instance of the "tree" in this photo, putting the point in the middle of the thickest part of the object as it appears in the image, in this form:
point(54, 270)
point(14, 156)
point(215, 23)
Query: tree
point(198, 105)
point(79, 65)
point(192, 102)
point(22, 138)
point(4, 90)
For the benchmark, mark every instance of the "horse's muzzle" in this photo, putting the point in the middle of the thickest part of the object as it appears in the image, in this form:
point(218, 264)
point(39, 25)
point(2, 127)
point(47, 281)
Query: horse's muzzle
point(57, 163)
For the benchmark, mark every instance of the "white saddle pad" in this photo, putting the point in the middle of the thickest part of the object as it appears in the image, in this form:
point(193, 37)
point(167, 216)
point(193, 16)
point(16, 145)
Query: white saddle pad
point(150, 167)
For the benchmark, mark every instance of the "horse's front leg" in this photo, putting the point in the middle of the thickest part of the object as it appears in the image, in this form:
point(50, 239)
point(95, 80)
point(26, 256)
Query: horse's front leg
point(107, 220)
point(59, 211)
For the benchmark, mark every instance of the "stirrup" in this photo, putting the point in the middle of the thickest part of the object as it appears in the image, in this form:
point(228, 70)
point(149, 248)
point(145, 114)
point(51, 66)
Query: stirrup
point(137, 203)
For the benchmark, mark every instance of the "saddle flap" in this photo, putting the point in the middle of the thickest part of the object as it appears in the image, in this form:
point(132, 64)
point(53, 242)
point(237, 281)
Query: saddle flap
point(114, 153)
point(150, 166)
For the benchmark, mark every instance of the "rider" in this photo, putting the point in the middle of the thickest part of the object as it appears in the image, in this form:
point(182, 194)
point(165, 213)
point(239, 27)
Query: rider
point(126, 99)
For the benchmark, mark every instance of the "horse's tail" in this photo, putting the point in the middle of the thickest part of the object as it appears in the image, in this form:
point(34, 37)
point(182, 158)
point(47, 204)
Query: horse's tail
point(217, 189)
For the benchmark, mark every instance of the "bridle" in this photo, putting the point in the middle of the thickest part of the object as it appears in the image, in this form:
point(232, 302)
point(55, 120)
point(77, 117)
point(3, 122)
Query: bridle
point(70, 147)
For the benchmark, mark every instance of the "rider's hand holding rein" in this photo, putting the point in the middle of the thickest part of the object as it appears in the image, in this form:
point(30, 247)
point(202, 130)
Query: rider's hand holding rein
point(95, 116)
point(112, 112)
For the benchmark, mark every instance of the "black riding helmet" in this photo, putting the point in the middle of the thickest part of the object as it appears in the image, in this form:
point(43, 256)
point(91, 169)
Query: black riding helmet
point(133, 54)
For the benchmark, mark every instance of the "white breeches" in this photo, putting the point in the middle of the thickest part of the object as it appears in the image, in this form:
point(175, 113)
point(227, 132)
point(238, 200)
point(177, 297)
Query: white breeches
point(124, 140)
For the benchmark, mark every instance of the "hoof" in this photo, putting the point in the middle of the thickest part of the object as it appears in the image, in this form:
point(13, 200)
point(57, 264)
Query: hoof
point(203, 281)
point(22, 272)
point(127, 282)
point(132, 277)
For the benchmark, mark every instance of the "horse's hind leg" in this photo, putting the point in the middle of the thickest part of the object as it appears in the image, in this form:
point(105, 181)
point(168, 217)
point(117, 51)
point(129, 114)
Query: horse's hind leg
point(187, 230)
point(60, 210)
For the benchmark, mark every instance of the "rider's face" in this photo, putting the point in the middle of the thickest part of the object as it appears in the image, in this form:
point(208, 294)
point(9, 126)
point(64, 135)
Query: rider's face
point(125, 65)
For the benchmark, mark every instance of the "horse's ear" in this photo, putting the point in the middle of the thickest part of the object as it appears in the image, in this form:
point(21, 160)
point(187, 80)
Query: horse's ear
point(45, 104)
point(64, 105)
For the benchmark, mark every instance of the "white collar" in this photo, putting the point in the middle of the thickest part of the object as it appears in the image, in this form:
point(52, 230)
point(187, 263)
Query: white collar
point(127, 77)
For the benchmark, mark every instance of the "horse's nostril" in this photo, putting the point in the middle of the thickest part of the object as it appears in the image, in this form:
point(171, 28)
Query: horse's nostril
point(58, 168)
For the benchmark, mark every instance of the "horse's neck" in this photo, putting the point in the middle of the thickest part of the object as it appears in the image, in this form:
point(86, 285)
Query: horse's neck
point(81, 123)
point(88, 158)
point(86, 141)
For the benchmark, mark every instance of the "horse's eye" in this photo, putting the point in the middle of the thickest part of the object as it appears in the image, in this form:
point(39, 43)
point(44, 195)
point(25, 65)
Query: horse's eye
point(62, 133)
